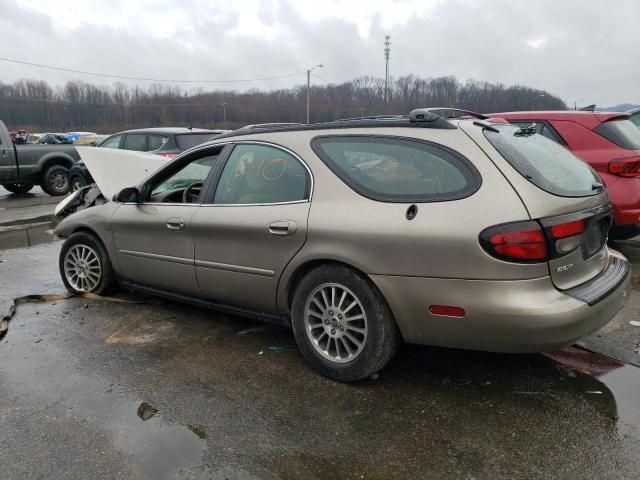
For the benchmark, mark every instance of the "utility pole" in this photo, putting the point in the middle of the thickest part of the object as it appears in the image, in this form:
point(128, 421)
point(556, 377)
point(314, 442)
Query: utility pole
point(535, 100)
point(387, 51)
point(224, 114)
point(309, 87)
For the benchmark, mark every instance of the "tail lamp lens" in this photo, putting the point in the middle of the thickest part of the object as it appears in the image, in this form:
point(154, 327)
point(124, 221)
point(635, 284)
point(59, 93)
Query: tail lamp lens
point(567, 235)
point(523, 241)
point(625, 167)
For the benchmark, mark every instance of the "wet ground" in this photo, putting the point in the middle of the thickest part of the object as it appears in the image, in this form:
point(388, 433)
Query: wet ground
point(149, 389)
point(26, 219)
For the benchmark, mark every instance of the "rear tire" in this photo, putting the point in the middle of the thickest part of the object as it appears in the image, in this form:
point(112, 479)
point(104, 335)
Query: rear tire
point(84, 265)
point(342, 324)
point(18, 188)
point(55, 180)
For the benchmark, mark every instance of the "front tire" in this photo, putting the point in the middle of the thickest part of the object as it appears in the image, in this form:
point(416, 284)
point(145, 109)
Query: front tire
point(55, 180)
point(342, 324)
point(77, 181)
point(84, 265)
point(18, 188)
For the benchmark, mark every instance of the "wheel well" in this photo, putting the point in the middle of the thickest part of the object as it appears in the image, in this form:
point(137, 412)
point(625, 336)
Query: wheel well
point(56, 161)
point(88, 231)
point(305, 268)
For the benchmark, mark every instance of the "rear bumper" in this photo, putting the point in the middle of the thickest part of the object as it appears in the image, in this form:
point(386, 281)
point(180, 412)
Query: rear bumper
point(501, 316)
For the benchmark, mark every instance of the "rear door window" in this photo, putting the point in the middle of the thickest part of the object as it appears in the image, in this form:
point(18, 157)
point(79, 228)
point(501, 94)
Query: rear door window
point(136, 142)
point(394, 169)
point(621, 132)
point(544, 162)
point(260, 174)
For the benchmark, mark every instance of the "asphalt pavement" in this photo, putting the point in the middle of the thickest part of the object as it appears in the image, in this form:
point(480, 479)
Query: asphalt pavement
point(26, 219)
point(131, 387)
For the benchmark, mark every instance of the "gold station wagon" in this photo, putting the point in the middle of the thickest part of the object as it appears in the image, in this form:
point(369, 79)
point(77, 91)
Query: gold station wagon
point(467, 233)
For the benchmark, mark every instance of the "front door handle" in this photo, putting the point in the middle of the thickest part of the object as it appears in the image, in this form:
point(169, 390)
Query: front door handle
point(175, 224)
point(283, 228)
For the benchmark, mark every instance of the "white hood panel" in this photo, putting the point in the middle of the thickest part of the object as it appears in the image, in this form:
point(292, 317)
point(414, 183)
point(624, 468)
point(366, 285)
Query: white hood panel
point(114, 169)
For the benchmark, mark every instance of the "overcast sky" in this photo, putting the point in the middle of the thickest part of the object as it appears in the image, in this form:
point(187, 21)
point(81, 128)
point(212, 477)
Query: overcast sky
point(581, 50)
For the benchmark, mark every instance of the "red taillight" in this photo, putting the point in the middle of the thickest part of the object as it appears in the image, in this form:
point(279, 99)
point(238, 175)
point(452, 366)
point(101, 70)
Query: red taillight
point(524, 241)
point(447, 310)
point(625, 167)
point(569, 229)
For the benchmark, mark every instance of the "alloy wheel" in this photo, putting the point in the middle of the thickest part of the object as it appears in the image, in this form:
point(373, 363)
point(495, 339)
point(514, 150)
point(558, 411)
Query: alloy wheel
point(82, 268)
point(335, 322)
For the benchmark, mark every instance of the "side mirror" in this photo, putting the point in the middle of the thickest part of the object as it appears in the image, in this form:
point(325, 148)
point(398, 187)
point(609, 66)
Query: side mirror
point(128, 195)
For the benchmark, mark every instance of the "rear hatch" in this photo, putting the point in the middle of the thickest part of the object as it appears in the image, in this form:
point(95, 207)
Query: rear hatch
point(566, 200)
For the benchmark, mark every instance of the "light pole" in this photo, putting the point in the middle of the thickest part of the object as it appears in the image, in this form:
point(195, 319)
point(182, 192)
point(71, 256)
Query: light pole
point(309, 87)
point(535, 100)
point(575, 103)
point(224, 114)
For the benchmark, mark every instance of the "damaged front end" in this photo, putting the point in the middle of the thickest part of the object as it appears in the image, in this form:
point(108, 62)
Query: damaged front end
point(112, 170)
point(85, 197)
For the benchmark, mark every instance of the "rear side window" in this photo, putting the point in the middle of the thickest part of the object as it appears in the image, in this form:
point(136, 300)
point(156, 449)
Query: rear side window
point(136, 142)
point(393, 169)
point(621, 132)
point(159, 142)
point(260, 174)
point(544, 163)
point(190, 140)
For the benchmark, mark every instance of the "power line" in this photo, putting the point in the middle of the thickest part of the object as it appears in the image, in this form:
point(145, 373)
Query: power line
point(62, 103)
point(159, 80)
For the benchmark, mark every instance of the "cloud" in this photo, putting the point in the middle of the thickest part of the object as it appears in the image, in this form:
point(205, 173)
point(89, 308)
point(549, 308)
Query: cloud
point(575, 49)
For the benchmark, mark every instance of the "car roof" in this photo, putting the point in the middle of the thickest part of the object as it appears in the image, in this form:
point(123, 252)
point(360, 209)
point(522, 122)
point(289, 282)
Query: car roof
point(575, 115)
point(170, 130)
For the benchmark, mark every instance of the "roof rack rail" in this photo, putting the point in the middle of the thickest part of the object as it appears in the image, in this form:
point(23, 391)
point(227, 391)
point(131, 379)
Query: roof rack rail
point(419, 118)
point(372, 117)
point(447, 112)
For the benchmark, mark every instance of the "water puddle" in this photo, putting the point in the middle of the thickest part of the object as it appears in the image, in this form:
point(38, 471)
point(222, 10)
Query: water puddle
point(622, 381)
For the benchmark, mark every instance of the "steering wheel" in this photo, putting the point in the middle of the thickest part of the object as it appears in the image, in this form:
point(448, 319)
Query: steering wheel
point(191, 193)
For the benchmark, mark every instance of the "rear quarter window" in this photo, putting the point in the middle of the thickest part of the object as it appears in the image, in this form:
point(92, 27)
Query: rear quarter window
point(544, 163)
point(621, 132)
point(394, 169)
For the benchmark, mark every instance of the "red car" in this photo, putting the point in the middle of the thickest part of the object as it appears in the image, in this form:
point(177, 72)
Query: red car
point(607, 141)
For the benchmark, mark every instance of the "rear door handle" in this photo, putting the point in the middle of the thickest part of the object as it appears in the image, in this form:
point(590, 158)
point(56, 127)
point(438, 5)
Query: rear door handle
point(283, 228)
point(175, 224)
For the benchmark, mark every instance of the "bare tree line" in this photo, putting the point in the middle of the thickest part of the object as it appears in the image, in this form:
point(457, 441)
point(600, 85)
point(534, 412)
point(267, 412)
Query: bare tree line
point(79, 105)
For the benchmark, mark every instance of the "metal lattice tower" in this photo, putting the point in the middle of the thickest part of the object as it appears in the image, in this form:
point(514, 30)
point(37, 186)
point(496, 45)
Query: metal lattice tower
point(387, 51)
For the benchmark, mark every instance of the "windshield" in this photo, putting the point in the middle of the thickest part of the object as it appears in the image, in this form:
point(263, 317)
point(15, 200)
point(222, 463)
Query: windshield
point(189, 140)
point(621, 132)
point(543, 162)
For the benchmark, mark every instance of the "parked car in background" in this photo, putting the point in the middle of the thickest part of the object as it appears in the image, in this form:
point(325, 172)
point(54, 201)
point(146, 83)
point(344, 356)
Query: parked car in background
point(634, 116)
point(23, 166)
point(363, 232)
point(168, 142)
point(608, 142)
point(82, 138)
point(54, 139)
point(32, 138)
